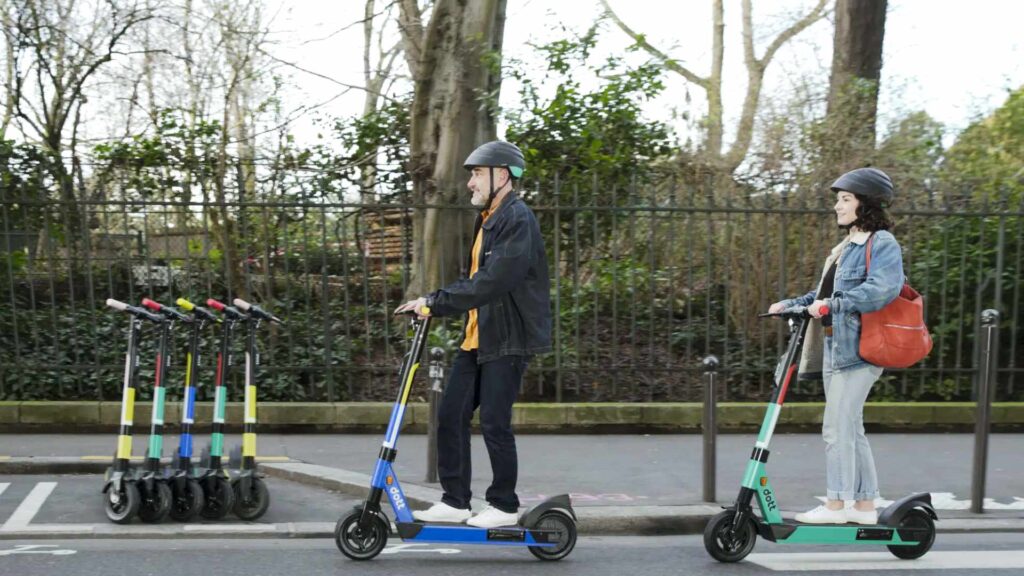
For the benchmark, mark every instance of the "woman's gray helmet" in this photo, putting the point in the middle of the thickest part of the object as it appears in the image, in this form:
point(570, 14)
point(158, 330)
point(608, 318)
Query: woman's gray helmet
point(498, 154)
point(867, 182)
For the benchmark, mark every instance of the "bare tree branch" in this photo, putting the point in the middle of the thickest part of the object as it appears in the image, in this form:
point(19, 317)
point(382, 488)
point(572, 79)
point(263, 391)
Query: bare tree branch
point(642, 42)
point(755, 77)
point(813, 16)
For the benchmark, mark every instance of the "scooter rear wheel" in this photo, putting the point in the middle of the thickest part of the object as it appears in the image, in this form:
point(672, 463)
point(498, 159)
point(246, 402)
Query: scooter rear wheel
point(361, 542)
point(156, 503)
point(127, 503)
point(918, 519)
point(566, 527)
point(187, 500)
point(725, 544)
point(219, 498)
point(254, 504)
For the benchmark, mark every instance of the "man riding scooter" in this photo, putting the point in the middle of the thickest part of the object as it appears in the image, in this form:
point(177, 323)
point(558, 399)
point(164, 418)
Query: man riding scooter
point(508, 319)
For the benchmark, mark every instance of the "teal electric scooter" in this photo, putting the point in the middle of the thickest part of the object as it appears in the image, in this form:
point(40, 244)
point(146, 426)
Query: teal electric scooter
point(906, 526)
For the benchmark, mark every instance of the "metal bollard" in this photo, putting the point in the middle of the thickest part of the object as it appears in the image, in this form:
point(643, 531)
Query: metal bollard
point(709, 428)
point(983, 417)
point(436, 387)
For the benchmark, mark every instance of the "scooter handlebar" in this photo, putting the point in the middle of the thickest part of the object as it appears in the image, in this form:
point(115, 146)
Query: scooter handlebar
point(167, 311)
point(229, 311)
point(423, 309)
point(117, 305)
point(134, 310)
point(256, 311)
point(794, 312)
point(197, 310)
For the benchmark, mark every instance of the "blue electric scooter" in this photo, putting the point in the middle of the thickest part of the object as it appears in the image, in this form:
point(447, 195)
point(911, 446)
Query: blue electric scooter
point(548, 530)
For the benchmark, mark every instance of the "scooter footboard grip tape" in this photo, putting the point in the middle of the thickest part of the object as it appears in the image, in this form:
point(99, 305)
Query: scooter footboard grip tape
point(117, 304)
point(184, 304)
point(215, 305)
point(242, 305)
point(154, 306)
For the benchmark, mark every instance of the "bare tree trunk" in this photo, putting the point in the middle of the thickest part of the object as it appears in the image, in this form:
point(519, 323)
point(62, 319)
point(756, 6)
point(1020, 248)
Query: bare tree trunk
point(375, 75)
point(447, 122)
point(853, 87)
point(9, 92)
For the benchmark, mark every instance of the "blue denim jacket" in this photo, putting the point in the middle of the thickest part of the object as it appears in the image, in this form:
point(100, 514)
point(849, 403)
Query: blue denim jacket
point(858, 291)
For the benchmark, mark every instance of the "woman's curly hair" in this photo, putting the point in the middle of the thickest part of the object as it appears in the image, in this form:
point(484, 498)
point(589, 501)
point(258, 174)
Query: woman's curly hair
point(871, 215)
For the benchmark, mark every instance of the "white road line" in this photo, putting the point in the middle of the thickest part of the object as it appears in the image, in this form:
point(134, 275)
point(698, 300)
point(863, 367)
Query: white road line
point(3, 486)
point(863, 561)
point(29, 507)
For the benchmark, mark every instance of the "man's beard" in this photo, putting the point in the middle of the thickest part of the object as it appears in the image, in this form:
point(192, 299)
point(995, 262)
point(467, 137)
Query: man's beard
point(479, 199)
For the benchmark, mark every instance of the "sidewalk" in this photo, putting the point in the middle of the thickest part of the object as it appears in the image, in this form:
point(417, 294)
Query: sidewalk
point(619, 483)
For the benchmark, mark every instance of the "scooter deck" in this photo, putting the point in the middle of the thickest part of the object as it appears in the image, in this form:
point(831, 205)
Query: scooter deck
point(792, 532)
point(451, 533)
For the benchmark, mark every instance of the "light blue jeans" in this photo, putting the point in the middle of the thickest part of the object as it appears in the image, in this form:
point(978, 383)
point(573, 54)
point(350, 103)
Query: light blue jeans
point(849, 465)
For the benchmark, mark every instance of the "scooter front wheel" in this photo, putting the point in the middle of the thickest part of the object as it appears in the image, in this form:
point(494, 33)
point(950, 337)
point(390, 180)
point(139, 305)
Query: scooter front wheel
point(187, 500)
point(156, 502)
point(219, 498)
point(920, 520)
point(122, 505)
point(361, 542)
point(251, 505)
point(726, 544)
point(565, 526)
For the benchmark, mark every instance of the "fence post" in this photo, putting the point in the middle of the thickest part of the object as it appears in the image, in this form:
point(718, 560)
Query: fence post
point(436, 387)
point(709, 428)
point(986, 388)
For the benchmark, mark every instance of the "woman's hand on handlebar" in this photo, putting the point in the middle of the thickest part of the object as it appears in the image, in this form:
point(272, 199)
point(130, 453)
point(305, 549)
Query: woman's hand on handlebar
point(818, 308)
point(417, 306)
point(776, 308)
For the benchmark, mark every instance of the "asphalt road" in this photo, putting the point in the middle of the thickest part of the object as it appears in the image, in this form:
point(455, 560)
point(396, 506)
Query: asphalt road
point(993, 554)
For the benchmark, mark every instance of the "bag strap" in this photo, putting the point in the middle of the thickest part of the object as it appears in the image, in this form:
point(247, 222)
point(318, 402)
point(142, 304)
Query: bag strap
point(867, 266)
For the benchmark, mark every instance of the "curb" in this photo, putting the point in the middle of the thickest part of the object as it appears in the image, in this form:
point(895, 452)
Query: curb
point(547, 418)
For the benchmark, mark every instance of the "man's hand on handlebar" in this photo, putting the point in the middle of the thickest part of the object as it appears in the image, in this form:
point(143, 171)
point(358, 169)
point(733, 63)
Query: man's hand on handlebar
point(418, 306)
point(776, 308)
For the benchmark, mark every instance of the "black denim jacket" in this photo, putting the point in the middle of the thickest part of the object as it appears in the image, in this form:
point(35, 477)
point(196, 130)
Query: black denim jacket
point(511, 289)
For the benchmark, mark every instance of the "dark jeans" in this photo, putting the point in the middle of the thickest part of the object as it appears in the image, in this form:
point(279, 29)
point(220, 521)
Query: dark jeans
point(493, 388)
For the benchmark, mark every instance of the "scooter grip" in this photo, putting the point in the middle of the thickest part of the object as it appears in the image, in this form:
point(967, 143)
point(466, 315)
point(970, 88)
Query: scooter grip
point(825, 311)
point(184, 304)
point(152, 305)
point(242, 305)
point(215, 304)
point(117, 304)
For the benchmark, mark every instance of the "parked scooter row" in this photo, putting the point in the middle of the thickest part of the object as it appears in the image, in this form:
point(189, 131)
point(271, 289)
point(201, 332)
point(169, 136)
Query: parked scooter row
point(184, 491)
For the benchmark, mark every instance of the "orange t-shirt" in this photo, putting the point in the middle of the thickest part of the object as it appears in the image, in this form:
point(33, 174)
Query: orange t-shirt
point(472, 340)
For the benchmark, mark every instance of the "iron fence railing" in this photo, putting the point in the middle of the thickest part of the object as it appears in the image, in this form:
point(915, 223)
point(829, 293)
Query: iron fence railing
point(645, 282)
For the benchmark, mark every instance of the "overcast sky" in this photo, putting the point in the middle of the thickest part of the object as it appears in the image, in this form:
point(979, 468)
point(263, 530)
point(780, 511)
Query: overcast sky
point(954, 59)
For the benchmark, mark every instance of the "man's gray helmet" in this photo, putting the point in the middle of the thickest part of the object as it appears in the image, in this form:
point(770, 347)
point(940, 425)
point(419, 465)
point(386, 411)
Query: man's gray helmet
point(498, 154)
point(867, 182)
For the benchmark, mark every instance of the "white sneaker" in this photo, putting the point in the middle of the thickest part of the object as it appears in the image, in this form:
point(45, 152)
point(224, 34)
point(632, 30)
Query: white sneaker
point(442, 512)
point(822, 515)
point(855, 516)
point(491, 517)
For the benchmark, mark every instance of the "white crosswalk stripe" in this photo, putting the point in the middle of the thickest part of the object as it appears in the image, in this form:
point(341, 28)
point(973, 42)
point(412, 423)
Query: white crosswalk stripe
point(29, 507)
